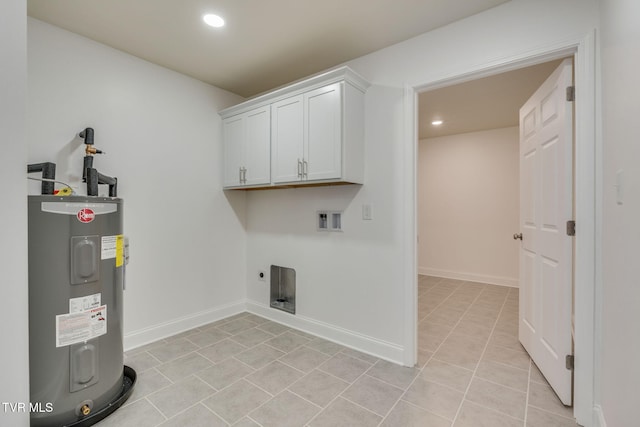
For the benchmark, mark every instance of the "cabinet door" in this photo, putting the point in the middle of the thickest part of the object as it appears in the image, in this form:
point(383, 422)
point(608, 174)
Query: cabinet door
point(287, 139)
point(233, 137)
point(323, 133)
point(257, 153)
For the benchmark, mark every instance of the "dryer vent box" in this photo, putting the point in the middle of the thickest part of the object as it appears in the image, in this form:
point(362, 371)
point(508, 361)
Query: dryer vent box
point(283, 288)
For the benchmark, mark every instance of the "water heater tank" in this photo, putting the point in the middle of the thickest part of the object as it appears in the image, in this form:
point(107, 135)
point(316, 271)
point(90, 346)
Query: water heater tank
point(76, 274)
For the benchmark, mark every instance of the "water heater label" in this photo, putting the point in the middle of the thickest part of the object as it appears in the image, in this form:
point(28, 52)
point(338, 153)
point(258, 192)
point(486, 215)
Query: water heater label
point(79, 304)
point(73, 328)
point(113, 247)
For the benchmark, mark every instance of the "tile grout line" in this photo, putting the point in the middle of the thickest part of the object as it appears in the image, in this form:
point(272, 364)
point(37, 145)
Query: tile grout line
point(273, 397)
point(430, 358)
point(425, 291)
point(200, 402)
point(321, 409)
point(157, 409)
point(340, 394)
point(555, 414)
point(224, 388)
point(302, 397)
point(249, 417)
point(152, 356)
point(526, 407)
point(492, 382)
point(385, 382)
point(464, 395)
point(382, 417)
point(484, 350)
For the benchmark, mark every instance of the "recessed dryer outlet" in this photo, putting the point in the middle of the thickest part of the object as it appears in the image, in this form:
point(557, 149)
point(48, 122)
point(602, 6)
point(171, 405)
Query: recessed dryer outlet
point(283, 288)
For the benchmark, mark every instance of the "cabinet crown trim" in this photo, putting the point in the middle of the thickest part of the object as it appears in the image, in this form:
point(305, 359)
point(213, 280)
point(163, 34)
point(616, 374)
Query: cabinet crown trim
point(345, 74)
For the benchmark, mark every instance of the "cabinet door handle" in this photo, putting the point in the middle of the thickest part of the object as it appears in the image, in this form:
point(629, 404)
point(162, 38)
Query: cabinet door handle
point(305, 169)
point(299, 169)
point(240, 174)
point(244, 175)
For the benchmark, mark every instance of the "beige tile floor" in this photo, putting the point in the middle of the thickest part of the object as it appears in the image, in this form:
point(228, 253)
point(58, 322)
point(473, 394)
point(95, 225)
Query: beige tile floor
point(249, 371)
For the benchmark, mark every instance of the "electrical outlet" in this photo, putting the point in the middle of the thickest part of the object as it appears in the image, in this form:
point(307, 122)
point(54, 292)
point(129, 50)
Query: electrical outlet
point(262, 276)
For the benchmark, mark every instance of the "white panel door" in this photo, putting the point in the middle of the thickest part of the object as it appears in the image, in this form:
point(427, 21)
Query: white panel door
point(323, 133)
point(546, 204)
point(287, 138)
point(257, 152)
point(233, 137)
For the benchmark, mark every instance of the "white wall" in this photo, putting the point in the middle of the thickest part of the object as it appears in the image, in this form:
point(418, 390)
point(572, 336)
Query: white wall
point(468, 206)
point(620, 58)
point(349, 280)
point(14, 328)
point(162, 136)
point(362, 285)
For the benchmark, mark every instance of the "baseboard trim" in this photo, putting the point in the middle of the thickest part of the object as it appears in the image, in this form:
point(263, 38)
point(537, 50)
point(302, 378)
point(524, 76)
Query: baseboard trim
point(598, 417)
point(366, 344)
point(470, 277)
point(163, 330)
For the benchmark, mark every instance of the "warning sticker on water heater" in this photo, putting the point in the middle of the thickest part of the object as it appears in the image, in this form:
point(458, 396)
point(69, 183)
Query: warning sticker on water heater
point(82, 326)
point(79, 304)
point(109, 244)
point(112, 247)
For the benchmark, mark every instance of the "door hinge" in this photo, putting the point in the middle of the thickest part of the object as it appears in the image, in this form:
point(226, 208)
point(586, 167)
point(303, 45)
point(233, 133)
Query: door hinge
point(571, 93)
point(571, 228)
point(569, 360)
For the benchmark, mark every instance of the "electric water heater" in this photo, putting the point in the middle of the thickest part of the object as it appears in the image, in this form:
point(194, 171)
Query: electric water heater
point(76, 277)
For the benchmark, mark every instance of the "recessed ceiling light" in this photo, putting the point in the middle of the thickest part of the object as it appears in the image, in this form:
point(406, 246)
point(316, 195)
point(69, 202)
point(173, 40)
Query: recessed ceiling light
point(213, 20)
point(436, 122)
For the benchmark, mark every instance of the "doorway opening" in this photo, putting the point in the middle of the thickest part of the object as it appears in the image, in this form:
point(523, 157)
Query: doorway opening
point(468, 209)
point(467, 175)
point(588, 190)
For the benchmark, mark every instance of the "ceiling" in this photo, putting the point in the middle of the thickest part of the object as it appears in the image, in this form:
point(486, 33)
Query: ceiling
point(267, 44)
point(488, 103)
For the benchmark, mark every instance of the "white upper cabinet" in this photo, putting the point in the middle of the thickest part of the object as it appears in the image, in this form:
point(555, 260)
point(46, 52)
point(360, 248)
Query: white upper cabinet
point(323, 133)
point(287, 128)
point(247, 151)
point(233, 137)
point(316, 131)
point(306, 131)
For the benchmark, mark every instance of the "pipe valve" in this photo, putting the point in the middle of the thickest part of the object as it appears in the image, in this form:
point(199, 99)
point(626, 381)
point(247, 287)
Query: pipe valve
point(87, 135)
point(90, 150)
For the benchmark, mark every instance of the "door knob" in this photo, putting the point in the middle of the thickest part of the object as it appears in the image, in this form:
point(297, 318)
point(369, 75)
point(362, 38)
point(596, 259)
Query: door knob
point(517, 236)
